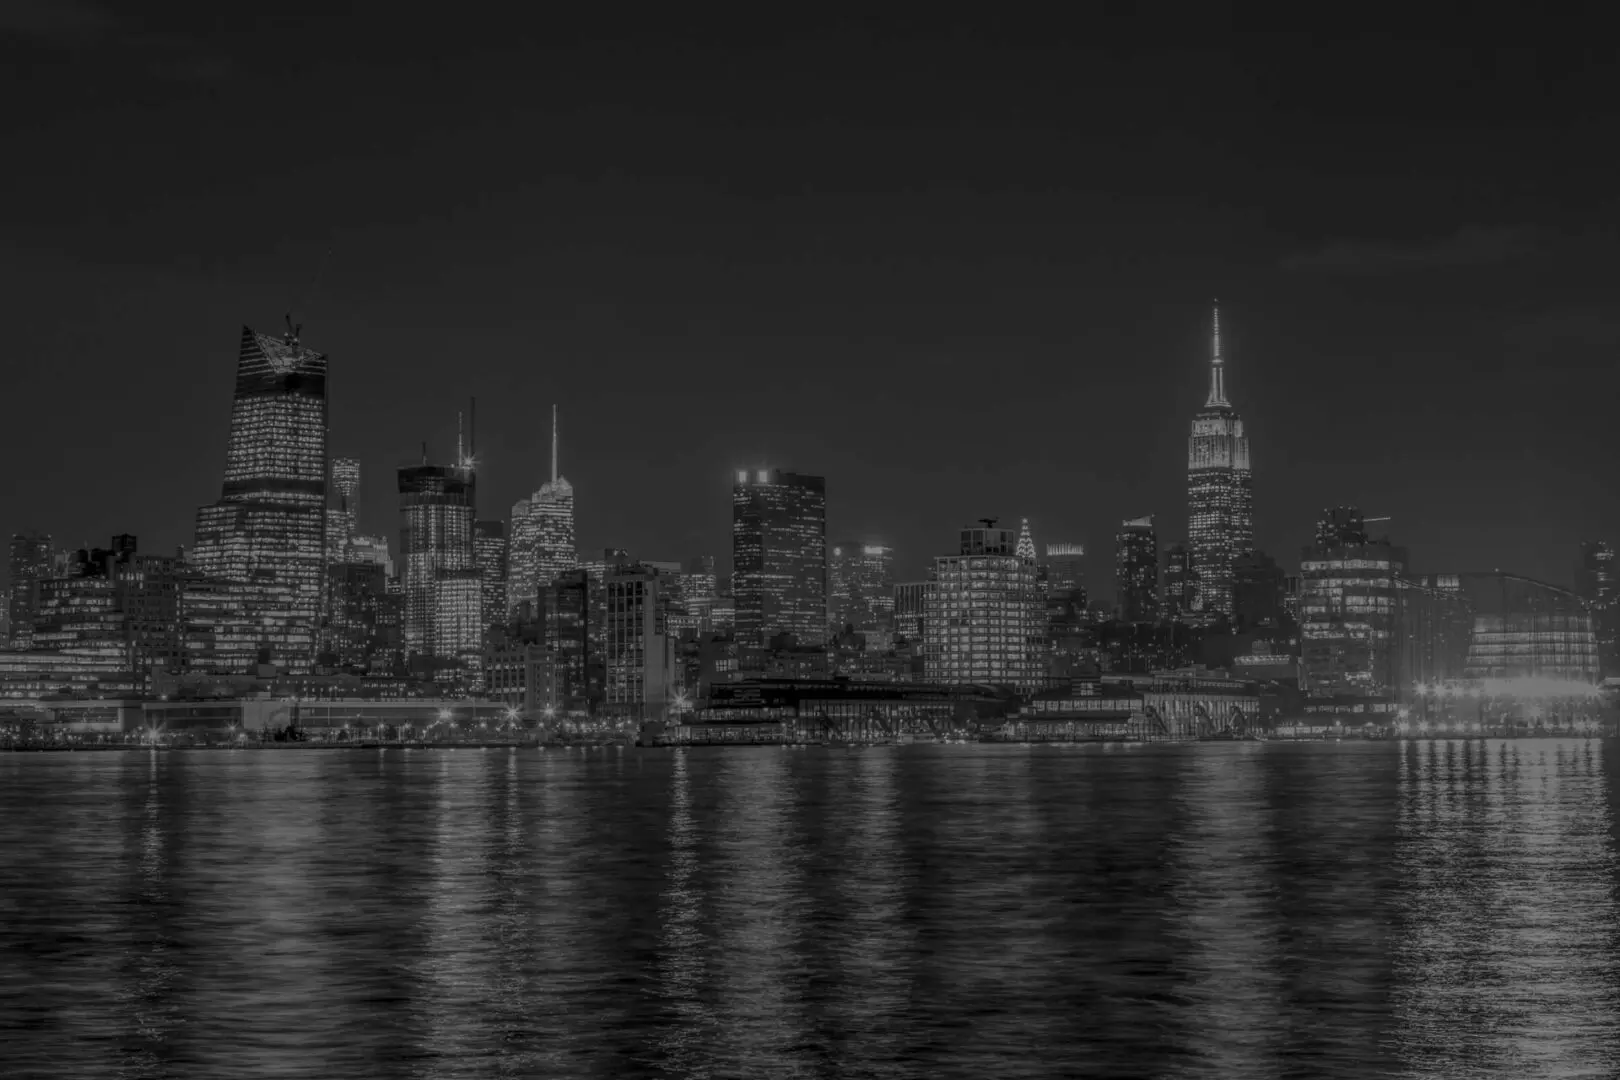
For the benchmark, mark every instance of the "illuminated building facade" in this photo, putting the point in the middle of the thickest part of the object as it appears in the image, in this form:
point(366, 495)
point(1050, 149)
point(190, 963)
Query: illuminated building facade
point(437, 508)
point(343, 515)
point(31, 557)
point(860, 584)
point(779, 560)
point(699, 591)
point(1220, 492)
point(541, 543)
point(986, 620)
point(911, 611)
point(267, 533)
point(1349, 603)
point(1136, 570)
point(572, 665)
point(1596, 585)
point(1528, 629)
point(1179, 594)
point(490, 553)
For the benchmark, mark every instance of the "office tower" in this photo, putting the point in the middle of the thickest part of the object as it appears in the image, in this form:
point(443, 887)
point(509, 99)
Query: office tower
point(1596, 585)
point(911, 611)
point(1220, 493)
point(1180, 589)
point(1136, 570)
point(860, 586)
point(779, 560)
point(363, 631)
point(986, 620)
point(1066, 569)
point(437, 508)
point(572, 665)
point(1258, 589)
point(267, 533)
point(1349, 607)
point(699, 591)
point(542, 543)
point(31, 557)
point(490, 554)
point(343, 516)
point(637, 655)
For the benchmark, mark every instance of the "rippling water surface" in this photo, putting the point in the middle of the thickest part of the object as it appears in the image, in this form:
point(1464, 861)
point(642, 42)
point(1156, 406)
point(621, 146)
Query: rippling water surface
point(1444, 909)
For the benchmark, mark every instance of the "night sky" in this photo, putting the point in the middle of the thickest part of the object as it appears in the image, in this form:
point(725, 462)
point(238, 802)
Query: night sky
point(959, 270)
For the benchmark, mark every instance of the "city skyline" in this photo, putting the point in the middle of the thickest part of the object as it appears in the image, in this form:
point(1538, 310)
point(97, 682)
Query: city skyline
point(1421, 354)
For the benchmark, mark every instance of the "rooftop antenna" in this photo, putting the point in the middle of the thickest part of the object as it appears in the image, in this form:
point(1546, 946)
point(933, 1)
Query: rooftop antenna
point(554, 443)
point(472, 428)
point(424, 451)
point(989, 523)
point(294, 331)
point(461, 450)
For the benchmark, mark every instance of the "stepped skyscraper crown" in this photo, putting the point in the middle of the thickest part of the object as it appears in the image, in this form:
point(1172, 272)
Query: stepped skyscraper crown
point(1220, 494)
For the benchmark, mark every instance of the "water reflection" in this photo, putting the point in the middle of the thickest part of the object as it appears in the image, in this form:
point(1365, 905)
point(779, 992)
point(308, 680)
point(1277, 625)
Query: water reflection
point(1440, 908)
point(1508, 958)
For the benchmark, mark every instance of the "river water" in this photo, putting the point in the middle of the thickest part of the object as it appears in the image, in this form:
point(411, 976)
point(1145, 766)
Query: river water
point(1445, 909)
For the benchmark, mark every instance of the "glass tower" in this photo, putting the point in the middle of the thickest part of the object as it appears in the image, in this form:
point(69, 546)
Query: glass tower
point(1136, 570)
point(437, 560)
point(541, 544)
point(1220, 494)
point(266, 536)
point(779, 560)
point(860, 582)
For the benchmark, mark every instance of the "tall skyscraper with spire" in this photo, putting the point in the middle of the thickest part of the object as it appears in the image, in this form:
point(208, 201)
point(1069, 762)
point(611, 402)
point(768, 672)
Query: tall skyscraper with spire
point(542, 545)
point(438, 505)
point(1220, 491)
point(266, 536)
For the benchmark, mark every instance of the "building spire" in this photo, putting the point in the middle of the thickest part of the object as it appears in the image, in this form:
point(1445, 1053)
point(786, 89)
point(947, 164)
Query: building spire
point(554, 443)
point(1026, 543)
point(1217, 365)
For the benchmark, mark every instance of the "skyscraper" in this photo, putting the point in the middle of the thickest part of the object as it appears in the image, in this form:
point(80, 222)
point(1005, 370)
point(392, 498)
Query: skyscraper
point(343, 516)
point(541, 543)
point(779, 560)
point(437, 508)
point(31, 557)
point(986, 621)
point(266, 536)
point(860, 586)
point(1136, 570)
point(1220, 493)
point(490, 552)
point(1180, 592)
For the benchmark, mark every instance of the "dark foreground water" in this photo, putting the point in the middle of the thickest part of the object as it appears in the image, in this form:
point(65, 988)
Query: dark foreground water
point(1440, 909)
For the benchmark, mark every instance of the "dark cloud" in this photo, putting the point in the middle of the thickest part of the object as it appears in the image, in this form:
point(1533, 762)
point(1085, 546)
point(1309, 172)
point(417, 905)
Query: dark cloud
point(1471, 245)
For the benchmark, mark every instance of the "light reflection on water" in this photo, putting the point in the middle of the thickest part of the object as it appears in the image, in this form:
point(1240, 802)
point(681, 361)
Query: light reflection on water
point(1426, 909)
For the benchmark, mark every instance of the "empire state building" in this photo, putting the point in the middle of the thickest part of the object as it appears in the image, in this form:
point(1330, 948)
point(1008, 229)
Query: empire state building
point(1220, 491)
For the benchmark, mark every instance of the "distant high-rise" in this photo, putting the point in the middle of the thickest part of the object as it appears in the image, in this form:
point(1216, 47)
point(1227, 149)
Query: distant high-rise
point(1258, 590)
point(490, 554)
point(986, 620)
point(779, 560)
point(1596, 584)
point(699, 586)
point(541, 544)
point(343, 516)
point(266, 536)
point(860, 586)
point(1220, 492)
point(1179, 594)
point(438, 567)
point(1136, 570)
point(31, 557)
point(637, 658)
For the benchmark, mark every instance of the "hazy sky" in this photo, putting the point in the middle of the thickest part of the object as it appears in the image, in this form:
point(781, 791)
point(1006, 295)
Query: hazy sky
point(960, 270)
